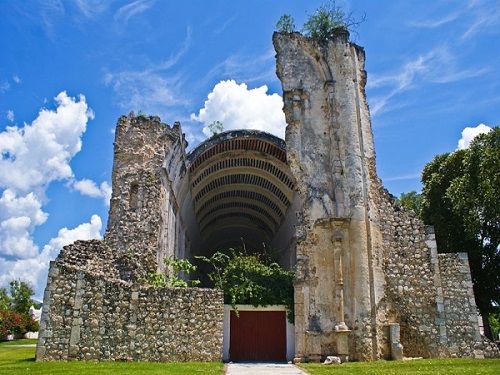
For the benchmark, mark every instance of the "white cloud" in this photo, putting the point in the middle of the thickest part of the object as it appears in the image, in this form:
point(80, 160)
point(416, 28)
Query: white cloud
point(34, 269)
point(19, 215)
point(16, 79)
point(4, 87)
point(89, 188)
point(31, 157)
point(91, 8)
point(36, 154)
point(411, 176)
point(439, 65)
point(468, 134)
point(151, 89)
point(437, 22)
point(10, 115)
point(238, 107)
point(134, 8)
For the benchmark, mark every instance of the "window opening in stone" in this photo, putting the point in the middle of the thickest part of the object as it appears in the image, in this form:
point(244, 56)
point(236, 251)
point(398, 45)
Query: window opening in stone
point(133, 196)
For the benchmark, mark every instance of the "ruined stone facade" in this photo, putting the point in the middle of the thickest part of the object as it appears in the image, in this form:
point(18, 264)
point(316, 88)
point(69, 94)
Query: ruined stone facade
point(369, 281)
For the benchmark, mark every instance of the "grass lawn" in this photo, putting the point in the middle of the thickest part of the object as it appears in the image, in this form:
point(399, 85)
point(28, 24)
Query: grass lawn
point(18, 360)
point(18, 342)
point(418, 366)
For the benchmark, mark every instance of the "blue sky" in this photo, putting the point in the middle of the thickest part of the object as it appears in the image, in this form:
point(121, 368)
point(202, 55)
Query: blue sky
point(432, 71)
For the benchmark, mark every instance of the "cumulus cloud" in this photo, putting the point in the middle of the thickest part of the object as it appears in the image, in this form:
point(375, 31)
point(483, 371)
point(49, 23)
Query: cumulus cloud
point(31, 157)
point(34, 269)
point(238, 107)
point(10, 115)
point(36, 154)
point(468, 134)
point(89, 188)
point(18, 218)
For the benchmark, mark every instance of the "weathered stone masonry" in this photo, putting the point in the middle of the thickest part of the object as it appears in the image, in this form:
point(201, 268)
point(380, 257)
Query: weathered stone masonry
point(96, 305)
point(370, 283)
point(93, 318)
point(364, 264)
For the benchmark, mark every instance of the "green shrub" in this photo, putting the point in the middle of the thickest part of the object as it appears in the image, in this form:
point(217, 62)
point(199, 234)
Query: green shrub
point(171, 278)
point(12, 322)
point(251, 279)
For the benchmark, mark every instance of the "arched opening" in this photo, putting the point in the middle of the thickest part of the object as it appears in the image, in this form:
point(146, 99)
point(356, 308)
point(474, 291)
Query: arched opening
point(241, 191)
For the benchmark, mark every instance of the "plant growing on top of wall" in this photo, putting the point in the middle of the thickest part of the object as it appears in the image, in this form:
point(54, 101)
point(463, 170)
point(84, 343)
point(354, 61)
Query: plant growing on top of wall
point(324, 23)
point(216, 127)
point(251, 279)
point(171, 279)
point(285, 24)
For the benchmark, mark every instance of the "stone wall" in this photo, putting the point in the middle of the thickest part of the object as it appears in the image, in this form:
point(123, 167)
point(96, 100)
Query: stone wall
point(429, 294)
point(88, 317)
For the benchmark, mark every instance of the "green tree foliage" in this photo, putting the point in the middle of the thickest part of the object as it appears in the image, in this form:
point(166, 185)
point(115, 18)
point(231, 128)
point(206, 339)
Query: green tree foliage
point(494, 320)
point(285, 24)
point(4, 299)
point(322, 24)
point(216, 127)
point(412, 201)
point(20, 296)
point(251, 279)
point(462, 200)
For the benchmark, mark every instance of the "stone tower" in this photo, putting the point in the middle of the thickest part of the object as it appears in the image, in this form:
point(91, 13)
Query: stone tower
point(365, 267)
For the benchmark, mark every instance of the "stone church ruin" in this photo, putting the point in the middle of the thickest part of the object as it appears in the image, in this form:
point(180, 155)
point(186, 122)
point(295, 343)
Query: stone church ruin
point(369, 281)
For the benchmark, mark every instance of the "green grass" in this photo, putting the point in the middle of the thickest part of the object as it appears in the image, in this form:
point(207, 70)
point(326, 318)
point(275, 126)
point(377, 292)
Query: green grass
point(419, 366)
point(15, 360)
point(18, 342)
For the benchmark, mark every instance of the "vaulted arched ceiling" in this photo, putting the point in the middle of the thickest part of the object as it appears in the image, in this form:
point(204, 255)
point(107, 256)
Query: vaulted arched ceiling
point(241, 187)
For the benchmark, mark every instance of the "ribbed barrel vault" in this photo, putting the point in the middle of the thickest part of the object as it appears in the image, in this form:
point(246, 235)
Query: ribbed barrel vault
point(241, 188)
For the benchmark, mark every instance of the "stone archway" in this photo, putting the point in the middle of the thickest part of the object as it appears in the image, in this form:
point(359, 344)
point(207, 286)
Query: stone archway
point(242, 190)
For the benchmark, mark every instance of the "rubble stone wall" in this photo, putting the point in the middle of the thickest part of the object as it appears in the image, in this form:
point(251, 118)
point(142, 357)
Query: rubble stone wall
point(87, 317)
point(429, 294)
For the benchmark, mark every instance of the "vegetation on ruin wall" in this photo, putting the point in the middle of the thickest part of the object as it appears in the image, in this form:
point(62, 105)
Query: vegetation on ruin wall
point(461, 199)
point(16, 360)
point(323, 24)
point(171, 278)
point(253, 279)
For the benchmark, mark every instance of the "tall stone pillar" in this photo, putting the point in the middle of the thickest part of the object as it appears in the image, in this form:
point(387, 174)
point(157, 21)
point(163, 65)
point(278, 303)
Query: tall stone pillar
point(139, 222)
point(330, 152)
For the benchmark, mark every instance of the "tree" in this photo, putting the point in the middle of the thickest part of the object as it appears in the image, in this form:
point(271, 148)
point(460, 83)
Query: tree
point(462, 200)
point(20, 296)
point(285, 24)
point(4, 299)
point(216, 127)
point(412, 201)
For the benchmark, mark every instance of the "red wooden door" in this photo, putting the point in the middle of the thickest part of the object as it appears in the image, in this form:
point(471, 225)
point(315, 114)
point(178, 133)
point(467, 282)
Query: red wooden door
point(258, 336)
